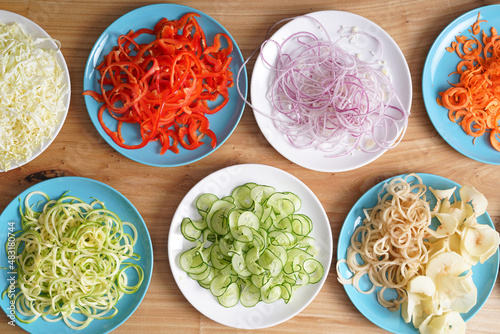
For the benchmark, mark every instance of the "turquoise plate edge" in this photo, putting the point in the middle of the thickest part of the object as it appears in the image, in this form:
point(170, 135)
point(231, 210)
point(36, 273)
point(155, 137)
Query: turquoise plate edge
point(438, 65)
point(484, 275)
point(85, 189)
point(223, 123)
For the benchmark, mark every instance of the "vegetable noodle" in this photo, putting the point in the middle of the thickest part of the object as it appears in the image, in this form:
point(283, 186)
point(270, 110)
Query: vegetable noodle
point(251, 246)
point(390, 241)
point(472, 101)
point(32, 92)
point(323, 96)
point(167, 86)
point(70, 261)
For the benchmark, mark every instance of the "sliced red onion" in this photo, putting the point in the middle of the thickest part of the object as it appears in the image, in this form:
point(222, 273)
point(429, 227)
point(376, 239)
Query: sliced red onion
point(325, 98)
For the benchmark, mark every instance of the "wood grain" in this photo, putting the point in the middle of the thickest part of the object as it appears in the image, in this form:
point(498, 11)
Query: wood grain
point(156, 192)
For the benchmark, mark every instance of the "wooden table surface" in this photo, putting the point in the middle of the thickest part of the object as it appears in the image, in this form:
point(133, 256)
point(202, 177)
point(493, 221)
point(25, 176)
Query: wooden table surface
point(156, 192)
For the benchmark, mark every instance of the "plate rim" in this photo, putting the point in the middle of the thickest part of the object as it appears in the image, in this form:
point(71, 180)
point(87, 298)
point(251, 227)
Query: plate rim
point(370, 156)
point(148, 245)
point(343, 236)
point(89, 68)
point(22, 20)
point(430, 102)
point(194, 191)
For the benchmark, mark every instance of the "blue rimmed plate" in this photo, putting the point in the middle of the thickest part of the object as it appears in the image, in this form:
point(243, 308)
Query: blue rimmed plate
point(86, 190)
point(484, 275)
point(222, 123)
point(438, 65)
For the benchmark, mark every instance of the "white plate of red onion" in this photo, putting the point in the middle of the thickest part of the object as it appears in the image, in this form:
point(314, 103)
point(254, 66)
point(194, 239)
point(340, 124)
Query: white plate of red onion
point(331, 91)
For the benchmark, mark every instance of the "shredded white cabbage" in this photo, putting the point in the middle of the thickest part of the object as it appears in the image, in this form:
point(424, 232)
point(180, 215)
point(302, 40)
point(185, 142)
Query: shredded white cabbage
point(31, 95)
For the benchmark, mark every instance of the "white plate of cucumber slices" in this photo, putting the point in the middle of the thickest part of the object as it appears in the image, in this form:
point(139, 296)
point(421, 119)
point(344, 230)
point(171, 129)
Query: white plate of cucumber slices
point(250, 246)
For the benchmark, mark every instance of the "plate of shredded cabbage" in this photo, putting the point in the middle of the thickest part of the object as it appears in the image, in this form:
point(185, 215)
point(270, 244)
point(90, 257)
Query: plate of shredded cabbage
point(256, 313)
point(222, 122)
point(102, 248)
point(36, 94)
point(343, 110)
point(483, 275)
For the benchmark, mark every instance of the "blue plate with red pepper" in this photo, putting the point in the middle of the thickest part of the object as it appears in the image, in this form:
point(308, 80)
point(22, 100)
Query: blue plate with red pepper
point(186, 145)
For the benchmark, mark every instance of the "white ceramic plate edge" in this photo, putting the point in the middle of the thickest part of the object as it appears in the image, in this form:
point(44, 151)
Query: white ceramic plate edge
point(221, 183)
point(311, 158)
point(35, 30)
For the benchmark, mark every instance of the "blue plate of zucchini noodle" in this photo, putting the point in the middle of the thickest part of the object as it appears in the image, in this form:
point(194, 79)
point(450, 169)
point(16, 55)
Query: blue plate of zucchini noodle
point(87, 191)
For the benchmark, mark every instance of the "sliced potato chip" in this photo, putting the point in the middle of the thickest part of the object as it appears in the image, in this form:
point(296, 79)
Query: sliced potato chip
point(435, 303)
point(449, 322)
point(448, 225)
point(478, 200)
point(442, 193)
point(479, 240)
point(423, 309)
point(421, 301)
point(422, 285)
point(486, 256)
point(453, 242)
point(441, 245)
point(407, 309)
point(470, 221)
point(446, 263)
point(445, 206)
point(457, 293)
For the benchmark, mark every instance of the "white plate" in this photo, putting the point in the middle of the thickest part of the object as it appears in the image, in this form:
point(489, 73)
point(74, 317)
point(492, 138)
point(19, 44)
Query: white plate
point(33, 29)
point(333, 21)
point(221, 183)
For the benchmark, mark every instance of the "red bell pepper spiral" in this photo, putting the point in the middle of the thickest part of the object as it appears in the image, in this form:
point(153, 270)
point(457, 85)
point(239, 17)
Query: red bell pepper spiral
point(164, 86)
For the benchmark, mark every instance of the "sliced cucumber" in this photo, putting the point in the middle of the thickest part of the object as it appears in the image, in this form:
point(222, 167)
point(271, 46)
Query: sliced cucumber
point(301, 224)
point(314, 269)
point(271, 263)
point(239, 265)
point(251, 246)
point(242, 197)
point(217, 217)
point(205, 201)
point(251, 258)
point(281, 204)
point(250, 295)
point(219, 284)
point(219, 261)
point(231, 296)
point(203, 275)
point(282, 238)
point(261, 193)
point(192, 262)
point(189, 231)
point(270, 293)
point(280, 253)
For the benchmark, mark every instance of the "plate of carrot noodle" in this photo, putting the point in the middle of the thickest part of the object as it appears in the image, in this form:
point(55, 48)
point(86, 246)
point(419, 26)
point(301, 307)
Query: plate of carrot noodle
point(159, 85)
point(459, 84)
point(483, 274)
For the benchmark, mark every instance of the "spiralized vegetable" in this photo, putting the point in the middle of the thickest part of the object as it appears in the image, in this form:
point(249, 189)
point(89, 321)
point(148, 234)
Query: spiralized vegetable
point(167, 86)
point(326, 98)
point(31, 95)
point(472, 102)
point(71, 261)
point(390, 246)
point(251, 246)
